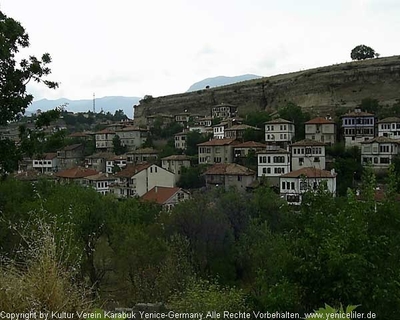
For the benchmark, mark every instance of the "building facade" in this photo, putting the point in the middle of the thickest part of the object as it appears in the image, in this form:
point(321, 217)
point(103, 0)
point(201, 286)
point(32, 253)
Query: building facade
point(321, 129)
point(216, 151)
point(379, 152)
point(358, 127)
point(308, 153)
point(389, 127)
point(279, 131)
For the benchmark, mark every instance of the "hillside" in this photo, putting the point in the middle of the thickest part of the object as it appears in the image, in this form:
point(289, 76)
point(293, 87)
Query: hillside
point(220, 81)
point(320, 90)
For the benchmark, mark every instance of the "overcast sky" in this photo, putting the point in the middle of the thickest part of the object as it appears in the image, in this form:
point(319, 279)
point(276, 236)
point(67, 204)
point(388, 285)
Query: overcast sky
point(161, 47)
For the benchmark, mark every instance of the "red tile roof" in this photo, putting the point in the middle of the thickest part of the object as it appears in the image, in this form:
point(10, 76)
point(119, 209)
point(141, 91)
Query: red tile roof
point(177, 157)
point(358, 114)
point(309, 172)
point(320, 120)
point(250, 144)
point(390, 120)
point(218, 142)
point(72, 147)
point(105, 131)
point(130, 170)
point(161, 195)
point(381, 140)
point(76, 173)
point(229, 169)
point(279, 120)
point(308, 142)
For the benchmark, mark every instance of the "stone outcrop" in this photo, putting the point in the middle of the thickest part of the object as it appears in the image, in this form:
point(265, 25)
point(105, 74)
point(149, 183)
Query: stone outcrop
point(318, 90)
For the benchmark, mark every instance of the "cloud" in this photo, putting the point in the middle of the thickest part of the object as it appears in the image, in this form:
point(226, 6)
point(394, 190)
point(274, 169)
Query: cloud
point(207, 49)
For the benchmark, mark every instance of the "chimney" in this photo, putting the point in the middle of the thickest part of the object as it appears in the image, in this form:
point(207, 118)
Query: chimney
point(155, 189)
point(333, 172)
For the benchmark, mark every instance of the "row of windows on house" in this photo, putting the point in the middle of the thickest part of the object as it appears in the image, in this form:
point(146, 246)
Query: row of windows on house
point(276, 170)
point(309, 150)
point(359, 131)
point(275, 159)
point(395, 133)
point(218, 129)
point(386, 126)
point(359, 121)
point(382, 148)
point(281, 136)
point(282, 127)
point(286, 185)
point(42, 162)
point(182, 138)
point(376, 160)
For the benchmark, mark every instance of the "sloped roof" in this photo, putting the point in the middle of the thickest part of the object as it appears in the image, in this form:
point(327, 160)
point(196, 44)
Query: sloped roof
point(229, 169)
point(309, 172)
point(32, 175)
point(130, 170)
point(389, 120)
point(273, 151)
point(101, 155)
point(177, 157)
point(308, 142)
point(161, 195)
point(79, 135)
point(130, 128)
point(46, 156)
point(320, 120)
point(381, 140)
point(358, 114)
point(99, 177)
point(241, 127)
point(250, 144)
point(218, 142)
point(76, 173)
point(145, 151)
point(279, 120)
point(73, 147)
point(105, 131)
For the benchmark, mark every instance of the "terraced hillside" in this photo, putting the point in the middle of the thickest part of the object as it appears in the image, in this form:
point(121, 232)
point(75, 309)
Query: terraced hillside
point(318, 90)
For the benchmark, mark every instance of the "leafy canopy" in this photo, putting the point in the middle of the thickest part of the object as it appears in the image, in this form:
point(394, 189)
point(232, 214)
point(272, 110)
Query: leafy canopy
point(362, 52)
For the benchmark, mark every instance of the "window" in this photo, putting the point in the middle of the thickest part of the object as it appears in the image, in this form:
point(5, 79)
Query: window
point(301, 161)
point(293, 198)
point(268, 170)
point(264, 170)
point(292, 187)
point(385, 160)
point(316, 159)
point(283, 185)
point(239, 178)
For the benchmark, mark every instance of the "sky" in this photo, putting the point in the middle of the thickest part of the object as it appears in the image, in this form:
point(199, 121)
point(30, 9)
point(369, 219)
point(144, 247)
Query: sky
point(161, 47)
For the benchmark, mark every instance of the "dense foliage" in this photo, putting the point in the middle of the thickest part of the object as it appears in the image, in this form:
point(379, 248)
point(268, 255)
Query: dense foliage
point(362, 52)
point(221, 246)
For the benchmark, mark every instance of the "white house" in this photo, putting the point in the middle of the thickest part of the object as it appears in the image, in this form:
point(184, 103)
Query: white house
point(379, 152)
point(180, 140)
point(100, 182)
point(358, 126)
point(273, 162)
point(321, 129)
point(224, 111)
point(116, 161)
point(104, 140)
point(216, 151)
point(389, 127)
point(47, 163)
point(308, 153)
point(132, 137)
point(294, 184)
point(175, 163)
point(279, 130)
point(167, 197)
point(136, 180)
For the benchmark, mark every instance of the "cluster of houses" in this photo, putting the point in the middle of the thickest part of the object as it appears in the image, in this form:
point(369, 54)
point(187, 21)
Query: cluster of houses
point(288, 166)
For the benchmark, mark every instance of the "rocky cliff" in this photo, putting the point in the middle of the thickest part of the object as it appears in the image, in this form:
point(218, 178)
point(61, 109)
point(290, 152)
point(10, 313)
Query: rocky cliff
point(318, 90)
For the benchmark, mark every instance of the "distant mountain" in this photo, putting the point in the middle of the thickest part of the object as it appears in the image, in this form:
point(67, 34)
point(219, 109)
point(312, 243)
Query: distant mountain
point(221, 81)
point(106, 103)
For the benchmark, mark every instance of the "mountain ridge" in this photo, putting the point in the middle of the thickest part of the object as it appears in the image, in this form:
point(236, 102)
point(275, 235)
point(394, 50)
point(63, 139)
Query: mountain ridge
point(221, 81)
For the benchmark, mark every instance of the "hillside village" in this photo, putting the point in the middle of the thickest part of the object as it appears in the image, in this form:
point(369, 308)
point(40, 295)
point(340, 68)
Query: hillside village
point(175, 155)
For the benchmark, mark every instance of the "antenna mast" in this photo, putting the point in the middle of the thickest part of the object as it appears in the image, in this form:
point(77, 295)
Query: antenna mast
point(94, 103)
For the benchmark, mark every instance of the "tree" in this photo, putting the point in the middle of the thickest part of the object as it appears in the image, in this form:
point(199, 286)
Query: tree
point(117, 146)
point(362, 52)
point(13, 96)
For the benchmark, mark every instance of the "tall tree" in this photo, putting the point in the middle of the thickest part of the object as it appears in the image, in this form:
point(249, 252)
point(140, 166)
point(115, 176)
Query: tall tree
point(13, 96)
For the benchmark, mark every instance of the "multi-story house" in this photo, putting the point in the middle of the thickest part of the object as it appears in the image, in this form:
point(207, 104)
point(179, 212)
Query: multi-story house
point(219, 130)
point(47, 163)
point(294, 184)
point(229, 175)
point(175, 163)
point(216, 151)
point(308, 153)
point(379, 152)
point(100, 182)
point(183, 118)
point(167, 197)
point(142, 155)
point(98, 161)
point(279, 131)
point(180, 140)
point(237, 131)
point(132, 137)
point(224, 111)
point(321, 129)
point(358, 127)
point(71, 156)
point(206, 121)
point(162, 119)
point(104, 140)
point(136, 180)
point(242, 150)
point(116, 163)
point(272, 162)
point(389, 127)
